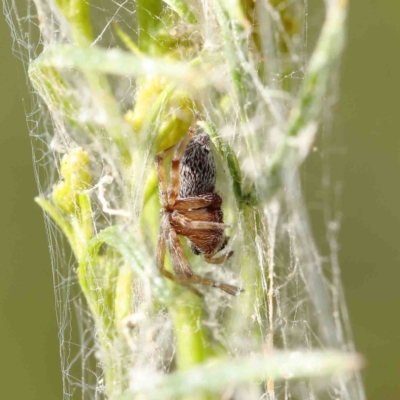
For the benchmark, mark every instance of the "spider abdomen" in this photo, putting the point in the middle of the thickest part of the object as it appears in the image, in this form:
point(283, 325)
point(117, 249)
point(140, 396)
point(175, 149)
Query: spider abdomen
point(197, 169)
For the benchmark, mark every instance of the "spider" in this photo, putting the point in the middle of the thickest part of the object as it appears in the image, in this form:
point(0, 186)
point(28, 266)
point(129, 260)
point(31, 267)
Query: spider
point(192, 209)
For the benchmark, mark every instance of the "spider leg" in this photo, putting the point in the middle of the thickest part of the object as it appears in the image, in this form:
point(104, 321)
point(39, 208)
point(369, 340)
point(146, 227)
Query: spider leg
point(161, 251)
point(179, 261)
point(185, 273)
point(176, 159)
point(212, 259)
point(189, 224)
point(201, 201)
point(162, 179)
point(161, 260)
point(217, 260)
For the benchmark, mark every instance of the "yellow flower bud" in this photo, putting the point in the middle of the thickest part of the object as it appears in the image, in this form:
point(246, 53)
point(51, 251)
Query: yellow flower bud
point(75, 169)
point(63, 197)
point(148, 90)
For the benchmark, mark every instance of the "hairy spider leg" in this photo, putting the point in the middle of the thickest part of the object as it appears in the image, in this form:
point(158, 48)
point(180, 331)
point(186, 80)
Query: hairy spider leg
point(201, 201)
point(187, 223)
point(161, 261)
point(211, 259)
point(162, 179)
point(185, 273)
point(168, 197)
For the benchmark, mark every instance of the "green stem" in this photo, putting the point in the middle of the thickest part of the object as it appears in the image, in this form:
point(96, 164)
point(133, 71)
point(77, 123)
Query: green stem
point(148, 17)
point(127, 40)
point(193, 345)
point(86, 221)
point(191, 337)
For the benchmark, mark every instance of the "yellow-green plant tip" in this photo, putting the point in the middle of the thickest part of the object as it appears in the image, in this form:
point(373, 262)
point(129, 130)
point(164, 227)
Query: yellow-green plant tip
point(149, 89)
point(75, 169)
point(64, 197)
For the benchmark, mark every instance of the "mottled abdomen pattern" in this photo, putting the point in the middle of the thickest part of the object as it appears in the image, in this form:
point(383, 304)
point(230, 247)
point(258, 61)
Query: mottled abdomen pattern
point(197, 169)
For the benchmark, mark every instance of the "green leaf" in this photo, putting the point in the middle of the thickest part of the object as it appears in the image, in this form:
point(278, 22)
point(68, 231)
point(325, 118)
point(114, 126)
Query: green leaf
point(117, 62)
point(181, 8)
point(125, 242)
point(235, 11)
point(148, 15)
point(216, 376)
point(127, 40)
point(61, 221)
point(77, 12)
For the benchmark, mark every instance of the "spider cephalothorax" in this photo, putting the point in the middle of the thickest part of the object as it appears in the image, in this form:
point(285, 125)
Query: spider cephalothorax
point(192, 209)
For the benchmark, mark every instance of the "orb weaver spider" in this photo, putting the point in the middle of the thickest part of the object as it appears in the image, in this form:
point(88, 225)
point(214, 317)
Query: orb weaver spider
point(192, 209)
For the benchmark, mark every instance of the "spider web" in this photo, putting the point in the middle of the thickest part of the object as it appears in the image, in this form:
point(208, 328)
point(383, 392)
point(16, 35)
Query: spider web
point(296, 299)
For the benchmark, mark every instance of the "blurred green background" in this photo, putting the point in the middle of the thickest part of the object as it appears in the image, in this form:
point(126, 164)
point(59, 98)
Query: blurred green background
point(368, 120)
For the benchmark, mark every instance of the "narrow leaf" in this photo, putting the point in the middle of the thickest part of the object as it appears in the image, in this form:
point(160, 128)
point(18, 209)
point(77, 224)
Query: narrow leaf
point(117, 62)
point(216, 376)
point(181, 8)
